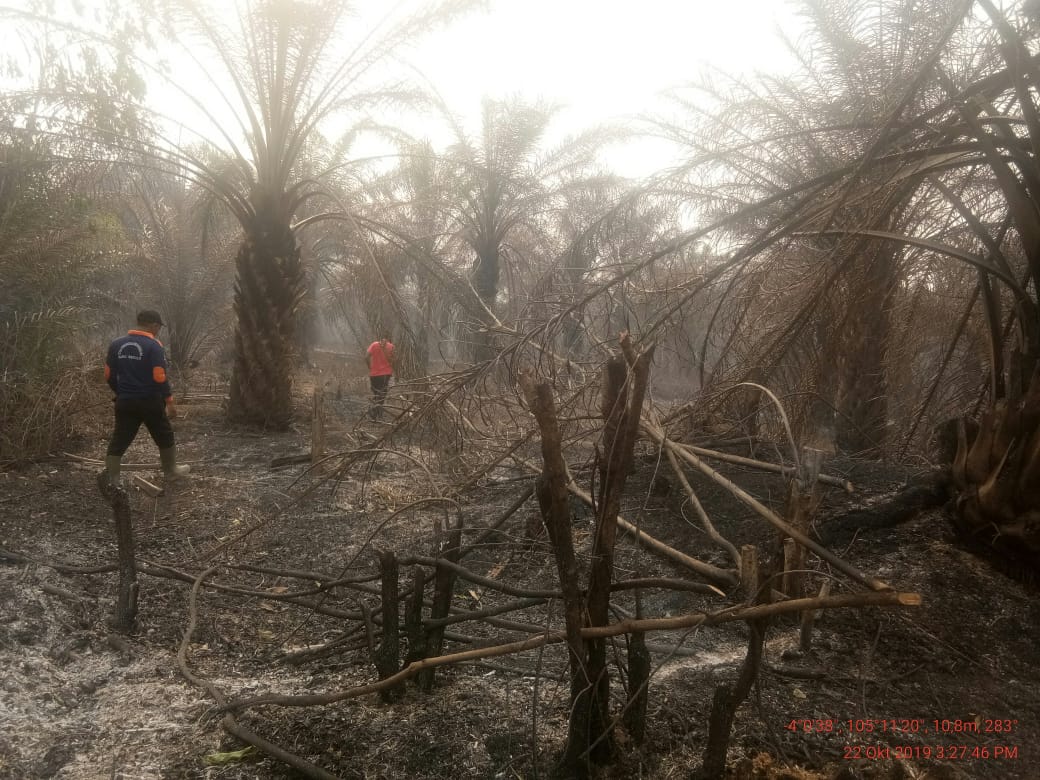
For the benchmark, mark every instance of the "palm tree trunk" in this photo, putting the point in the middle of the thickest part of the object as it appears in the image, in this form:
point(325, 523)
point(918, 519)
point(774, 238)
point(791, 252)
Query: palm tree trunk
point(863, 384)
point(269, 287)
point(486, 273)
point(307, 318)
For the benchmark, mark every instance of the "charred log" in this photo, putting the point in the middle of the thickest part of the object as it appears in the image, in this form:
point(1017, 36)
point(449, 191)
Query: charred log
point(926, 491)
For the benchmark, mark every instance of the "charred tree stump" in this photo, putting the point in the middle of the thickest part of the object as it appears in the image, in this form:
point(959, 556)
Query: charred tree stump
point(624, 388)
point(126, 601)
point(551, 490)
point(802, 502)
point(727, 701)
point(638, 682)
point(443, 592)
point(413, 625)
point(589, 739)
point(996, 475)
point(749, 579)
point(387, 656)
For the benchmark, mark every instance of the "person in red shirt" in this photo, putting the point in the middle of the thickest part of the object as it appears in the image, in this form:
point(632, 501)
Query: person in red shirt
point(380, 359)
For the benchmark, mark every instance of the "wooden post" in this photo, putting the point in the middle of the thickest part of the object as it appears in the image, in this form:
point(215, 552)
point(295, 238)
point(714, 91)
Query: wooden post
point(126, 600)
point(803, 499)
point(639, 665)
point(443, 590)
point(809, 617)
point(318, 425)
point(388, 655)
point(413, 618)
point(749, 571)
point(551, 490)
point(794, 557)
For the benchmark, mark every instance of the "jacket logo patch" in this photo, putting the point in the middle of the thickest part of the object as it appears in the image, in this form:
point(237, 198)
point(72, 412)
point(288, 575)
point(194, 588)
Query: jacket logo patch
point(126, 351)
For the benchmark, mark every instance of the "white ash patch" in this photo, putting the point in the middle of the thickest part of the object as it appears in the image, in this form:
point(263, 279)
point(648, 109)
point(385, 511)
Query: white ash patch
point(75, 707)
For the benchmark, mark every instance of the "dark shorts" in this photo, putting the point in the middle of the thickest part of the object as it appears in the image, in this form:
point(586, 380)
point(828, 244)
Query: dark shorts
point(380, 386)
point(131, 413)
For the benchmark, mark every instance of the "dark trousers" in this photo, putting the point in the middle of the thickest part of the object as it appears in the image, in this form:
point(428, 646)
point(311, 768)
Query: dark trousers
point(380, 385)
point(131, 413)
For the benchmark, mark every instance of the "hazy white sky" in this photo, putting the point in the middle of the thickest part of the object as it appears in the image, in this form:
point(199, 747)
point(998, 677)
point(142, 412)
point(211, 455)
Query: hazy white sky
point(601, 59)
point(602, 56)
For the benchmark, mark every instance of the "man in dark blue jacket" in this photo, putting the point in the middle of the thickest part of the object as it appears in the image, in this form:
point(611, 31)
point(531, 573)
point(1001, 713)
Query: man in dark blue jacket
point(135, 369)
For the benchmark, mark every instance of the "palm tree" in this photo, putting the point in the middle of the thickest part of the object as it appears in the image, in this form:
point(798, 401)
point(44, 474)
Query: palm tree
point(830, 335)
point(287, 76)
point(504, 184)
point(944, 173)
point(413, 213)
point(266, 75)
point(61, 244)
point(184, 246)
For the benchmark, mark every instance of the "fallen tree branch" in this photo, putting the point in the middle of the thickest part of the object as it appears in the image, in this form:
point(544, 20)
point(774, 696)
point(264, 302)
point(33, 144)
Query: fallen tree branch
point(658, 436)
point(125, 466)
point(487, 531)
point(884, 598)
point(762, 465)
point(487, 582)
point(480, 614)
point(54, 590)
point(706, 524)
point(63, 568)
point(723, 577)
point(290, 460)
point(229, 722)
point(667, 583)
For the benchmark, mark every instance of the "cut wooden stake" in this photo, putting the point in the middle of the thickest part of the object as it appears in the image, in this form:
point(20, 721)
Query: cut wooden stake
point(809, 617)
point(151, 489)
point(792, 559)
point(749, 571)
point(387, 655)
point(126, 600)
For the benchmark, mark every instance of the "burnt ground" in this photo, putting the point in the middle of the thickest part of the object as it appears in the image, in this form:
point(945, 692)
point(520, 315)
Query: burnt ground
point(78, 701)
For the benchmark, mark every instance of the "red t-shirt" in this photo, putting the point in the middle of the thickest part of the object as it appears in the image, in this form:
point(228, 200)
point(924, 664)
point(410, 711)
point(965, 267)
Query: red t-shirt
point(380, 354)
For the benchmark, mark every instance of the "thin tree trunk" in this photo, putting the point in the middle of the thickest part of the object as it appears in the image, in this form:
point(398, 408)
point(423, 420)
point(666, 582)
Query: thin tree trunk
point(388, 656)
point(486, 273)
point(443, 590)
point(621, 405)
point(555, 506)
